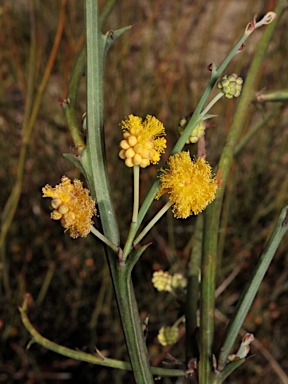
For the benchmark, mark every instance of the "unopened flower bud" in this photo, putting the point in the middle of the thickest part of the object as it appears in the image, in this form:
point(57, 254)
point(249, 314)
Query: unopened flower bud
point(168, 335)
point(197, 132)
point(162, 281)
point(178, 281)
point(230, 85)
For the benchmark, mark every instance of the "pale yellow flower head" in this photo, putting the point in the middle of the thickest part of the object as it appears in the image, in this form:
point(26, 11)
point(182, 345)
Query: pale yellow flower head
point(196, 134)
point(168, 335)
point(190, 184)
point(163, 281)
point(72, 205)
point(142, 143)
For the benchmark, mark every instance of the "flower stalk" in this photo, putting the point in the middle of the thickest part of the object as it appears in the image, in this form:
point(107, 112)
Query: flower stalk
point(93, 161)
point(212, 214)
point(136, 174)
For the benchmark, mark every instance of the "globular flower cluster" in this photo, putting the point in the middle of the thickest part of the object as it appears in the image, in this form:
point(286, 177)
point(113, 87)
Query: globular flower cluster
point(197, 132)
point(72, 205)
point(142, 143)
point(231, 85)
point(163, 281)
point(168, 335)
point(190, 184)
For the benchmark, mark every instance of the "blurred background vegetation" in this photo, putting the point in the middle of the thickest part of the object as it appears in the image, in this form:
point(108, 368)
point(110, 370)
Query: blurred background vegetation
point(158, 68)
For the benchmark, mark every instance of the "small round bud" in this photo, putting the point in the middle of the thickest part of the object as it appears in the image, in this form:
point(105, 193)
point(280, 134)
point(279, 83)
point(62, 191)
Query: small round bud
point(63, 209)
point(55, 215)
point(124, 144)
point(55, 203)
point(178, 281)
point(137, 159)
point(132, 140)
point(129, 153)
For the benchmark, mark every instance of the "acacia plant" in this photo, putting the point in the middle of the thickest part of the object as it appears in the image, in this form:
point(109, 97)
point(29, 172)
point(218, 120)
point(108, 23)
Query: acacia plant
point(191, 187)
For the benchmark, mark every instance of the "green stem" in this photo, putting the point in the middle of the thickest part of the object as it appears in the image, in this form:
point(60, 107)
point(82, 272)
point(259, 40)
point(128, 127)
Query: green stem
point(136, 172)
point(94, 162)
point(192, 297)
point(104, 239)
point(207, 300)
point(97, 359)
point(252, 287)
point(212, 102)
point(152, 222)
point(69, 106)
point(212, 214)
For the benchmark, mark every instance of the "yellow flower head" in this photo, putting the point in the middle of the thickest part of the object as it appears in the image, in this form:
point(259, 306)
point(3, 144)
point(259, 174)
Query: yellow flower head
point(162, 281)
point(73, 205)
point(189, 184)
point(142, 144)
point(168, 335)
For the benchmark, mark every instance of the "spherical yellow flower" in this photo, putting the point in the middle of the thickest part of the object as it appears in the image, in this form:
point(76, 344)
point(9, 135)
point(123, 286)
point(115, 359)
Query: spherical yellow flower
point(142, 144)
point(72, 205)
point(162, 281)
point(189, 184)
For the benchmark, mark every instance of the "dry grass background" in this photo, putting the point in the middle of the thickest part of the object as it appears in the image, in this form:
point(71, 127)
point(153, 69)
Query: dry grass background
point(158, 68)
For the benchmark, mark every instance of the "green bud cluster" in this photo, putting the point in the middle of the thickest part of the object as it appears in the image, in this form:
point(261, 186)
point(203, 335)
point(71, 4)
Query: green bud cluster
point(197, 132)
point(231, 85)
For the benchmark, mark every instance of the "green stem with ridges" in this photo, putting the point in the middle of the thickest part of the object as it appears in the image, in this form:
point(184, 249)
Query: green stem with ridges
point(69, 107)
point(212, 214)
point(93, 161)
point(252, 287)
point(104, 239)
point(97, 359)
point(192, 297)
point(136, 174)
point(151, 224)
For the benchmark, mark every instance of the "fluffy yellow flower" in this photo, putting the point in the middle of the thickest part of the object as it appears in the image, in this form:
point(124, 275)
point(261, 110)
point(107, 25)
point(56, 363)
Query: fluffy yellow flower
point(189, 184)
point(72, 205)
point(142, 144)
